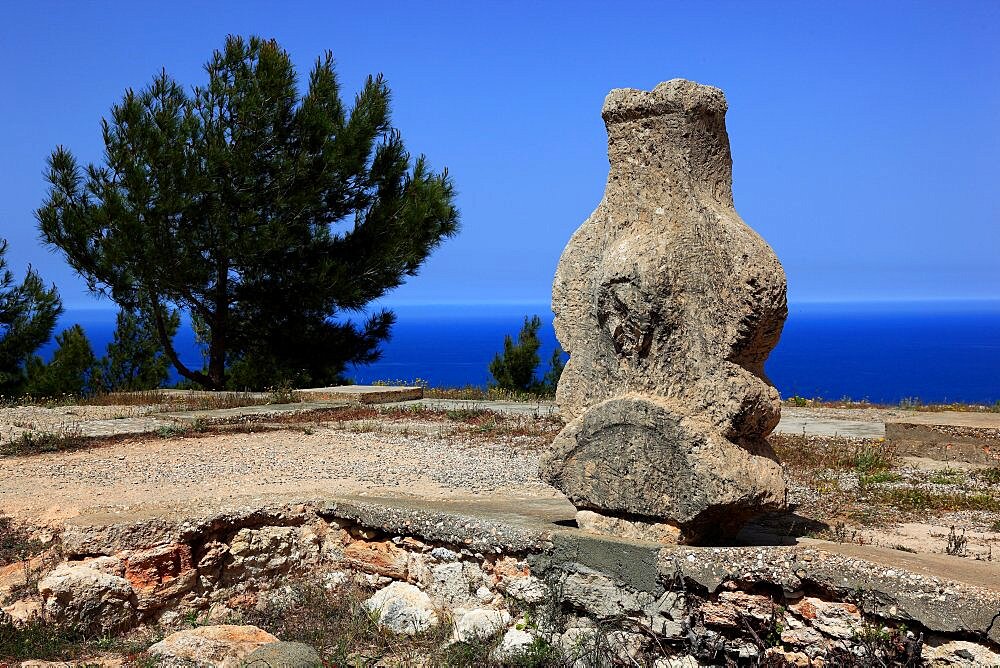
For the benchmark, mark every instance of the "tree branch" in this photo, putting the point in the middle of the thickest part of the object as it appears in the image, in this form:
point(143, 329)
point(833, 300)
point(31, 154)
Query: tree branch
point(168, 348)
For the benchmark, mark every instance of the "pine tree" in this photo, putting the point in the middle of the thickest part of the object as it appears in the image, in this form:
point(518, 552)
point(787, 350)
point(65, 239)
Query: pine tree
point(259, 211)
point(514, 369)
point(135, 359)
point(28, 314)
point(556, 365)
point(71, 371)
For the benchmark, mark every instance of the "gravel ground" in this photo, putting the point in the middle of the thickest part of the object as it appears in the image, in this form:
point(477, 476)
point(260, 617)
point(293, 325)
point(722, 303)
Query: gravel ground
point(326, 459)
point(481, 456)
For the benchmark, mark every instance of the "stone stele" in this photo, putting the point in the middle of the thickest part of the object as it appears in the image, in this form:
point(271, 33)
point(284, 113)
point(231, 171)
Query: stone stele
point(668, 304)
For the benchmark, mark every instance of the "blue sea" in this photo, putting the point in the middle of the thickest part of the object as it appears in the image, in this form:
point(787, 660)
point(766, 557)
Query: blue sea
point(882, 352)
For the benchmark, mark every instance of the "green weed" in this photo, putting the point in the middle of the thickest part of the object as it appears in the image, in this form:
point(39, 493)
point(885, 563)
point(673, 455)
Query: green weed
point(170, 431)
point(32, 442)
point(947, 477)
point(990, 476)
point(877, 478)
point(919, 500)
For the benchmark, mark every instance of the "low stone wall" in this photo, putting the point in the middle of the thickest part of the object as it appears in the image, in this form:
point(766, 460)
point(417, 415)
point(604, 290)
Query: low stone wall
point(949, 443)
point(658, 605)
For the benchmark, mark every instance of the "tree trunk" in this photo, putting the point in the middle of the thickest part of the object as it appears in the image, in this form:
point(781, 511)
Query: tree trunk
point(168, 348)
point(220, 322)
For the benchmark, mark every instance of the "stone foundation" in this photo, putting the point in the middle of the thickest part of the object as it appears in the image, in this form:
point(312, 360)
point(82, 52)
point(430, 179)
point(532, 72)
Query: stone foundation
point(792, 605)
point(944, 442)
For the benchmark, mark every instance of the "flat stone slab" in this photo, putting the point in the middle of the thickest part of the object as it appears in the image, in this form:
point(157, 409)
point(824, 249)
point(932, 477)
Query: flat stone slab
point(948, 436)
point(365, 394)
point(818, 426)
point(222, 415)
point(202, 394)
point(532, 408)
point(796, 423)
point(942, 594)
point(66, 422)
point(965, 419)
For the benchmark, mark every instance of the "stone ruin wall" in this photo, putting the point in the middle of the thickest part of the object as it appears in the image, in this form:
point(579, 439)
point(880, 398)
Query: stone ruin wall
point(747, 604)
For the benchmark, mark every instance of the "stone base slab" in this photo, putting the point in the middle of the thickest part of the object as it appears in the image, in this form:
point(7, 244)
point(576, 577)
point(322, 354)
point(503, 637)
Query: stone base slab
point(365, 394)
point(974, 444)
point(657, 532)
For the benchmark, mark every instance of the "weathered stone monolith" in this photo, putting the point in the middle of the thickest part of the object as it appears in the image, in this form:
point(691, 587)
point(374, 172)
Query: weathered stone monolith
point(668, 304)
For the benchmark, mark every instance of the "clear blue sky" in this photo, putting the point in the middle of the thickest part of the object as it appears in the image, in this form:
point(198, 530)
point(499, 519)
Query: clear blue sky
point(865, 135)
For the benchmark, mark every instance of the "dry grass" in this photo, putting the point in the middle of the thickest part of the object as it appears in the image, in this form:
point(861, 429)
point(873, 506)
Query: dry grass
point(816, 453)
point(467, 392)
point(862, 482)
point(467, 421)
point(192, 401)
point(345, 633)
point(37, 443)
point(921, 501)
point(471, 392)
point(34, 443)
point(41, 641)
point(164, 400)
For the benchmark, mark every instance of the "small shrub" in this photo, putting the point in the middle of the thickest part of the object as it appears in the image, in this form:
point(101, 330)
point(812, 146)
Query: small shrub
point(462, 654)
point(880, 646)
point(990, 476)
point(872, 457)
point(536, 655)
point(284, 395)
point(956, 543)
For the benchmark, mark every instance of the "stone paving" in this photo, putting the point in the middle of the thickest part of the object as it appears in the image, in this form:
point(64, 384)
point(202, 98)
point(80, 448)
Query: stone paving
point(795, 423)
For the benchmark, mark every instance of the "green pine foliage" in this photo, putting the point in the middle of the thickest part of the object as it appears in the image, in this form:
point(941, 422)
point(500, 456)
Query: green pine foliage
point(515, 368)
point(72, 370)
point(260, 210)
point(135, 359)
point(550, 381)
point(28, 314)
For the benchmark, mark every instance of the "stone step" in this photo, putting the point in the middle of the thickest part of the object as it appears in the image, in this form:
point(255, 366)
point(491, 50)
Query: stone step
point(365, 394)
